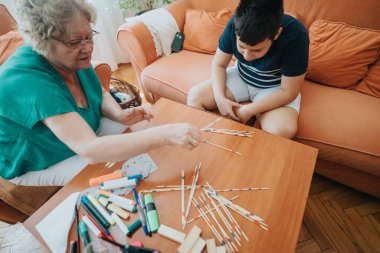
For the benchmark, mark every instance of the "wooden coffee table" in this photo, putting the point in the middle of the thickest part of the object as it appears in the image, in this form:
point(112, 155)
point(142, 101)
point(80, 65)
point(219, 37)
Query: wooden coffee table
point(267, 161)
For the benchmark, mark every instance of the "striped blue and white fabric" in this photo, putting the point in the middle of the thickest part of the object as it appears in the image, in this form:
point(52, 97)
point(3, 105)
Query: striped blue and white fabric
point(259, 78)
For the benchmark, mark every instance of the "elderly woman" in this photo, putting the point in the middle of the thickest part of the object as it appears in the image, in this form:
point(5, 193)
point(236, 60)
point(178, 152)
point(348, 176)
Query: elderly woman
point(51, 100)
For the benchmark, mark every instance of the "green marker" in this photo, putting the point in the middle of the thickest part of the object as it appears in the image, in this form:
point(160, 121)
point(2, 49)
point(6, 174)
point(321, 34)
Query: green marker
point(151, 213)
point(84, 235)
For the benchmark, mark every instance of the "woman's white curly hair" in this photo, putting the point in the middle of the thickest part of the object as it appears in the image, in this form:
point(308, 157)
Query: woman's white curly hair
point(40, 20)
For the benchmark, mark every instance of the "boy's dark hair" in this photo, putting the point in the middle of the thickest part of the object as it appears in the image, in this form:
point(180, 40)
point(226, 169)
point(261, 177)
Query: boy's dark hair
point(257, 20)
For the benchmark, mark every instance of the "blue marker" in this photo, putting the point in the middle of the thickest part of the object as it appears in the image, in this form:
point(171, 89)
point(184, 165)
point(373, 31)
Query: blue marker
point(141, 212)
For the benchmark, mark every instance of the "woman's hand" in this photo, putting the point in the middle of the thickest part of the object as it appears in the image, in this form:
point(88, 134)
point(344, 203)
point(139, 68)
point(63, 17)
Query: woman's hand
point(183, 135)
point(134, 115)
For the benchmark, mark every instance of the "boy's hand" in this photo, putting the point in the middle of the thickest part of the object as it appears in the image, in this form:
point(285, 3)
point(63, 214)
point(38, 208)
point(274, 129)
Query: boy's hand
point(243, 113)
point(226, 107)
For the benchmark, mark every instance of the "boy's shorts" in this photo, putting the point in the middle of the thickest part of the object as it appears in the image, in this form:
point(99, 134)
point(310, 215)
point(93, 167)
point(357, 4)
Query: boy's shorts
point(244, 92)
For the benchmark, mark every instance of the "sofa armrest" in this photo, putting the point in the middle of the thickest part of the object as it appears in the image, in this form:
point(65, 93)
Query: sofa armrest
point(7, 21)
point(103, 70)
point(137, 42)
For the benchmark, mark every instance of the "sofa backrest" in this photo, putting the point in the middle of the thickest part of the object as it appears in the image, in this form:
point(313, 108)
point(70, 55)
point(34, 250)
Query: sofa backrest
point(6, 20)
point(360, 13)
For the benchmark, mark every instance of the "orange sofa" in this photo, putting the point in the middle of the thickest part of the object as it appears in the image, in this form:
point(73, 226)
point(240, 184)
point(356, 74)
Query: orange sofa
point(337, 116)
point(10, 40)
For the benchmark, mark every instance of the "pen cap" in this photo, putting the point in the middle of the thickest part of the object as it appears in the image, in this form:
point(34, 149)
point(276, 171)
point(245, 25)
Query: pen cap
point(133, 227)
point(151, 213)
point(137, 176)
point(83, 232)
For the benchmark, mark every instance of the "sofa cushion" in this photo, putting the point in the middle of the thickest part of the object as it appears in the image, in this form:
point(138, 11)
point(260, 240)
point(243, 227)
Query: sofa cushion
point(343, 124)
point(203, 29)
point(9, 42)
point(340, 54)
point(173, 76)
point(370, 85)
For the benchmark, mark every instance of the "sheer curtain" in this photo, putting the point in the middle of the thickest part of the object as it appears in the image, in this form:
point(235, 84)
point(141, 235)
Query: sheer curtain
point(109, 19)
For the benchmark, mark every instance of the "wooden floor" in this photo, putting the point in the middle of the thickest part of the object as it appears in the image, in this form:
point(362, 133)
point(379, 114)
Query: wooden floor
point(337, 218)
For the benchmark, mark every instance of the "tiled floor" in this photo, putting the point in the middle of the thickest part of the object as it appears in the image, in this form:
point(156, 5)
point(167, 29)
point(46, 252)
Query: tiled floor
point(16, 239)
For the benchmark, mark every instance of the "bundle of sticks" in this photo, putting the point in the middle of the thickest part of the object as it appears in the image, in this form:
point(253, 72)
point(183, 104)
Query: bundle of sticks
point(228, 131)
point(214, 209)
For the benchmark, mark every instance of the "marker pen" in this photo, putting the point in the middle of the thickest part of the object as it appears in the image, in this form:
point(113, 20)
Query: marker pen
point(141, 212)
point(91, 225)
point(124, 203)
point(151, 213)
point(73, 246)
point(96, 221)
point(94, 212)
point(120, 224)
point(133, 227)
point(115, 175)
point(100, 208)
point(84, 235)
point(118, 183)
point(142, 203)
point(113, 207)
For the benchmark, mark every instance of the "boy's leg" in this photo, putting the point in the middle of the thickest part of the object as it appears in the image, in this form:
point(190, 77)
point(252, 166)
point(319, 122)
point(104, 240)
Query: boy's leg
point(282, 121)
point(202, 97)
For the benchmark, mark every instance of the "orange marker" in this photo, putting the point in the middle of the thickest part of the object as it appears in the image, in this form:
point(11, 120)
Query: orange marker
point(98, 180)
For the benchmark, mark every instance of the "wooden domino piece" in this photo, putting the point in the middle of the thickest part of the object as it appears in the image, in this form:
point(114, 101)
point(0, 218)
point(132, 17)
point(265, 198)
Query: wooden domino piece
point(199, 245)
point(221, 249)
point(190, 240)
point(171, 234)
point(211, 246)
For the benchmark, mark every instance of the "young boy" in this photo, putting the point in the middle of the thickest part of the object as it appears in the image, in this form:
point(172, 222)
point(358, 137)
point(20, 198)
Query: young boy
point(272, 51)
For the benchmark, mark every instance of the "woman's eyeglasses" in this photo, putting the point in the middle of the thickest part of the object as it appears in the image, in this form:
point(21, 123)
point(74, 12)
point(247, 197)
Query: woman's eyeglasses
point(79, 43)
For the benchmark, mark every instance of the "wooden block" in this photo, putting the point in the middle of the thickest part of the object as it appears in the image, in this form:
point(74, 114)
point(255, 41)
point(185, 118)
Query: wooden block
point(171, 234)
point(221, 249)
point(190, 240)
point(211, 247)
point(199, 245)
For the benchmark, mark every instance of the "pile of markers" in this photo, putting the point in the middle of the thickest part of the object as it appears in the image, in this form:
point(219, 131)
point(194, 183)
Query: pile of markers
point(108, 209)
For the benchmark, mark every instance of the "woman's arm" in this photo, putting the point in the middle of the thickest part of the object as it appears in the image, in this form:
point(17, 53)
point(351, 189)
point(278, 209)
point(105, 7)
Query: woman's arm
point(111, 109)
point(72, 130)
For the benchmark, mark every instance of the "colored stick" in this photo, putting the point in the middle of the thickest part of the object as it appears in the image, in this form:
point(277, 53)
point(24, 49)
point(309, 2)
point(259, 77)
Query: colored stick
point(193, 219)
point(220, 190)
point(229, 241)
point(183, 197)
point(206, 219)
point(225, 221)
point(213, 122)
point(248, 215)
point(195, 180)
point(218, 146)
point(229, 215)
